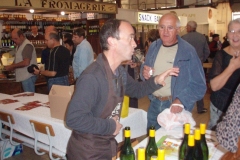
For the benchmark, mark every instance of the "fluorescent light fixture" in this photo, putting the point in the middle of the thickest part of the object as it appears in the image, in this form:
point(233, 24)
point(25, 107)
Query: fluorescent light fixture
point(62, 13)
point(31, 10)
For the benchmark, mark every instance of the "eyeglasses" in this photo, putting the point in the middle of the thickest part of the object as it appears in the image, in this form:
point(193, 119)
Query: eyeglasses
point(169, 28)
point(233, 31)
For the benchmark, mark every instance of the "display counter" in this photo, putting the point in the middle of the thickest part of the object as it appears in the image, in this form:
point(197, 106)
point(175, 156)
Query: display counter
point(10, 86)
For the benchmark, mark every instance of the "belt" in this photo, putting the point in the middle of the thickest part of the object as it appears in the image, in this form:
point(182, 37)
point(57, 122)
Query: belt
point(164, 98)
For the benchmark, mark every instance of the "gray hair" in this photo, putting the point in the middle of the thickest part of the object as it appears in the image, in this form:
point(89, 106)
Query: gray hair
point(233, 21)
point(54, 35)
point(192, 24)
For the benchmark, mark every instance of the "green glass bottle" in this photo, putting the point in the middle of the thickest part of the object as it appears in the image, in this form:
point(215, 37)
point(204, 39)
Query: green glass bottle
point(184, 144)
point(203, 141)
point(161, 154)
point(141, 153)
point(151, 149)
point(190, 149)
point(198, 153)
point(127, 152)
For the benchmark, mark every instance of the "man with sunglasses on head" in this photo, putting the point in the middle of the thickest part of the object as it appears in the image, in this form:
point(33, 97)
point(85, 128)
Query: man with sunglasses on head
point(172, 51)
point(83, 55)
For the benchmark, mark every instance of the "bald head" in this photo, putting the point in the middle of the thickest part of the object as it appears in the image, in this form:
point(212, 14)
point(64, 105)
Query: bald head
point(17, 36)
point(50, 29)
point(191, 26)
point(172, 16)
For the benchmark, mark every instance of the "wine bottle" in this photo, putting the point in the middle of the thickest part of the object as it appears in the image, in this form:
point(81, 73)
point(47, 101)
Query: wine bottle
point(203, 141)
point(184, 144)
point(151, 149)
point(161, 154)
point(141, 153)
point(198, 153)
point(154, 158)
point(190, 149)
point(3, 41)
point(127, 152)
point(9, 40)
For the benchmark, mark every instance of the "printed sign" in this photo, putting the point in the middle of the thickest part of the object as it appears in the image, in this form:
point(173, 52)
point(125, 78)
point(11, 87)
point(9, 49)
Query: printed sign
point(148, 18)
point(69, 5)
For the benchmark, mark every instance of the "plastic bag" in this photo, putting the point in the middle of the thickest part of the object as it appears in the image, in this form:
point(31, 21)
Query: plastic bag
point(169, 120)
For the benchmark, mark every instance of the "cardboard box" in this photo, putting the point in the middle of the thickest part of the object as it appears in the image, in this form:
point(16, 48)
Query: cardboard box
point(10, 150)
point(59, 97)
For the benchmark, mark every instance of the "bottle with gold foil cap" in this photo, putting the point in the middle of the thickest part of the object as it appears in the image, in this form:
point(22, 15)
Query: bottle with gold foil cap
point(151, 149)
point(198, 153)
point(161, 154)
point(127, 152)
point(141, 153)
point(190, 149)
point(184, 144)
point(203, 141)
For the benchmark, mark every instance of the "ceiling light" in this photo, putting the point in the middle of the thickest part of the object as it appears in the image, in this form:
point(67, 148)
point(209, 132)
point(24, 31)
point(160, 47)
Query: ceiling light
point(31, 10)
point(62, 13)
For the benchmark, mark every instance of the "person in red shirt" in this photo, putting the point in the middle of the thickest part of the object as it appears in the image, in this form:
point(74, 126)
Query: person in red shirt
point(213, 46)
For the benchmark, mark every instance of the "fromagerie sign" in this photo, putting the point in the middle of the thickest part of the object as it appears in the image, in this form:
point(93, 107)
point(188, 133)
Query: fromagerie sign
point(66, 5)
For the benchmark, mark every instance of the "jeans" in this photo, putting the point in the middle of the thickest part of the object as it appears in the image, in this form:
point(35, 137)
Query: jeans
point(58, 81)
point(156, 107)
point(215, 115)
point(29, 84)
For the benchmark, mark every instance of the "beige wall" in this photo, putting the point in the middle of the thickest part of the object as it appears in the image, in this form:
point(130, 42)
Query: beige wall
point(224, 16)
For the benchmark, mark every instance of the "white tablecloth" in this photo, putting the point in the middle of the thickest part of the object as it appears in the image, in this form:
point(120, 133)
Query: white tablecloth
point(175, 136)
point(137, 120)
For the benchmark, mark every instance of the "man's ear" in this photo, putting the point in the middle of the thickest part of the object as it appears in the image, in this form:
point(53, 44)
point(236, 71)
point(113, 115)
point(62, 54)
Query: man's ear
point(178, 30)
point(111, 41)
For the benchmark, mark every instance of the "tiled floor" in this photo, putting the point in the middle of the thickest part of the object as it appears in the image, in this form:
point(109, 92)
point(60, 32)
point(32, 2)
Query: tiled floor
point(28, 153)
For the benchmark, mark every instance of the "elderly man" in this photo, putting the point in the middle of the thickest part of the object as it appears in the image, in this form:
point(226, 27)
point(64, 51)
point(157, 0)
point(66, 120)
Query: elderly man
point(199, 42)
point(94, 110)
point(57, 69)
point(83, 55)
point(179, 92)
point(25, 56)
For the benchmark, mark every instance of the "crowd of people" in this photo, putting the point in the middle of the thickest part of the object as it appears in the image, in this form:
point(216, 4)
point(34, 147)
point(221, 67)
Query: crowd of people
point(171, 75)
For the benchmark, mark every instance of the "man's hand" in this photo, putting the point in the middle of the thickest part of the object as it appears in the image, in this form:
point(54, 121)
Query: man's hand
point(159, 79)
point(146, 70)
point(36, 71)
point(118, 125)
point(175, 108)
point(9, 68)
